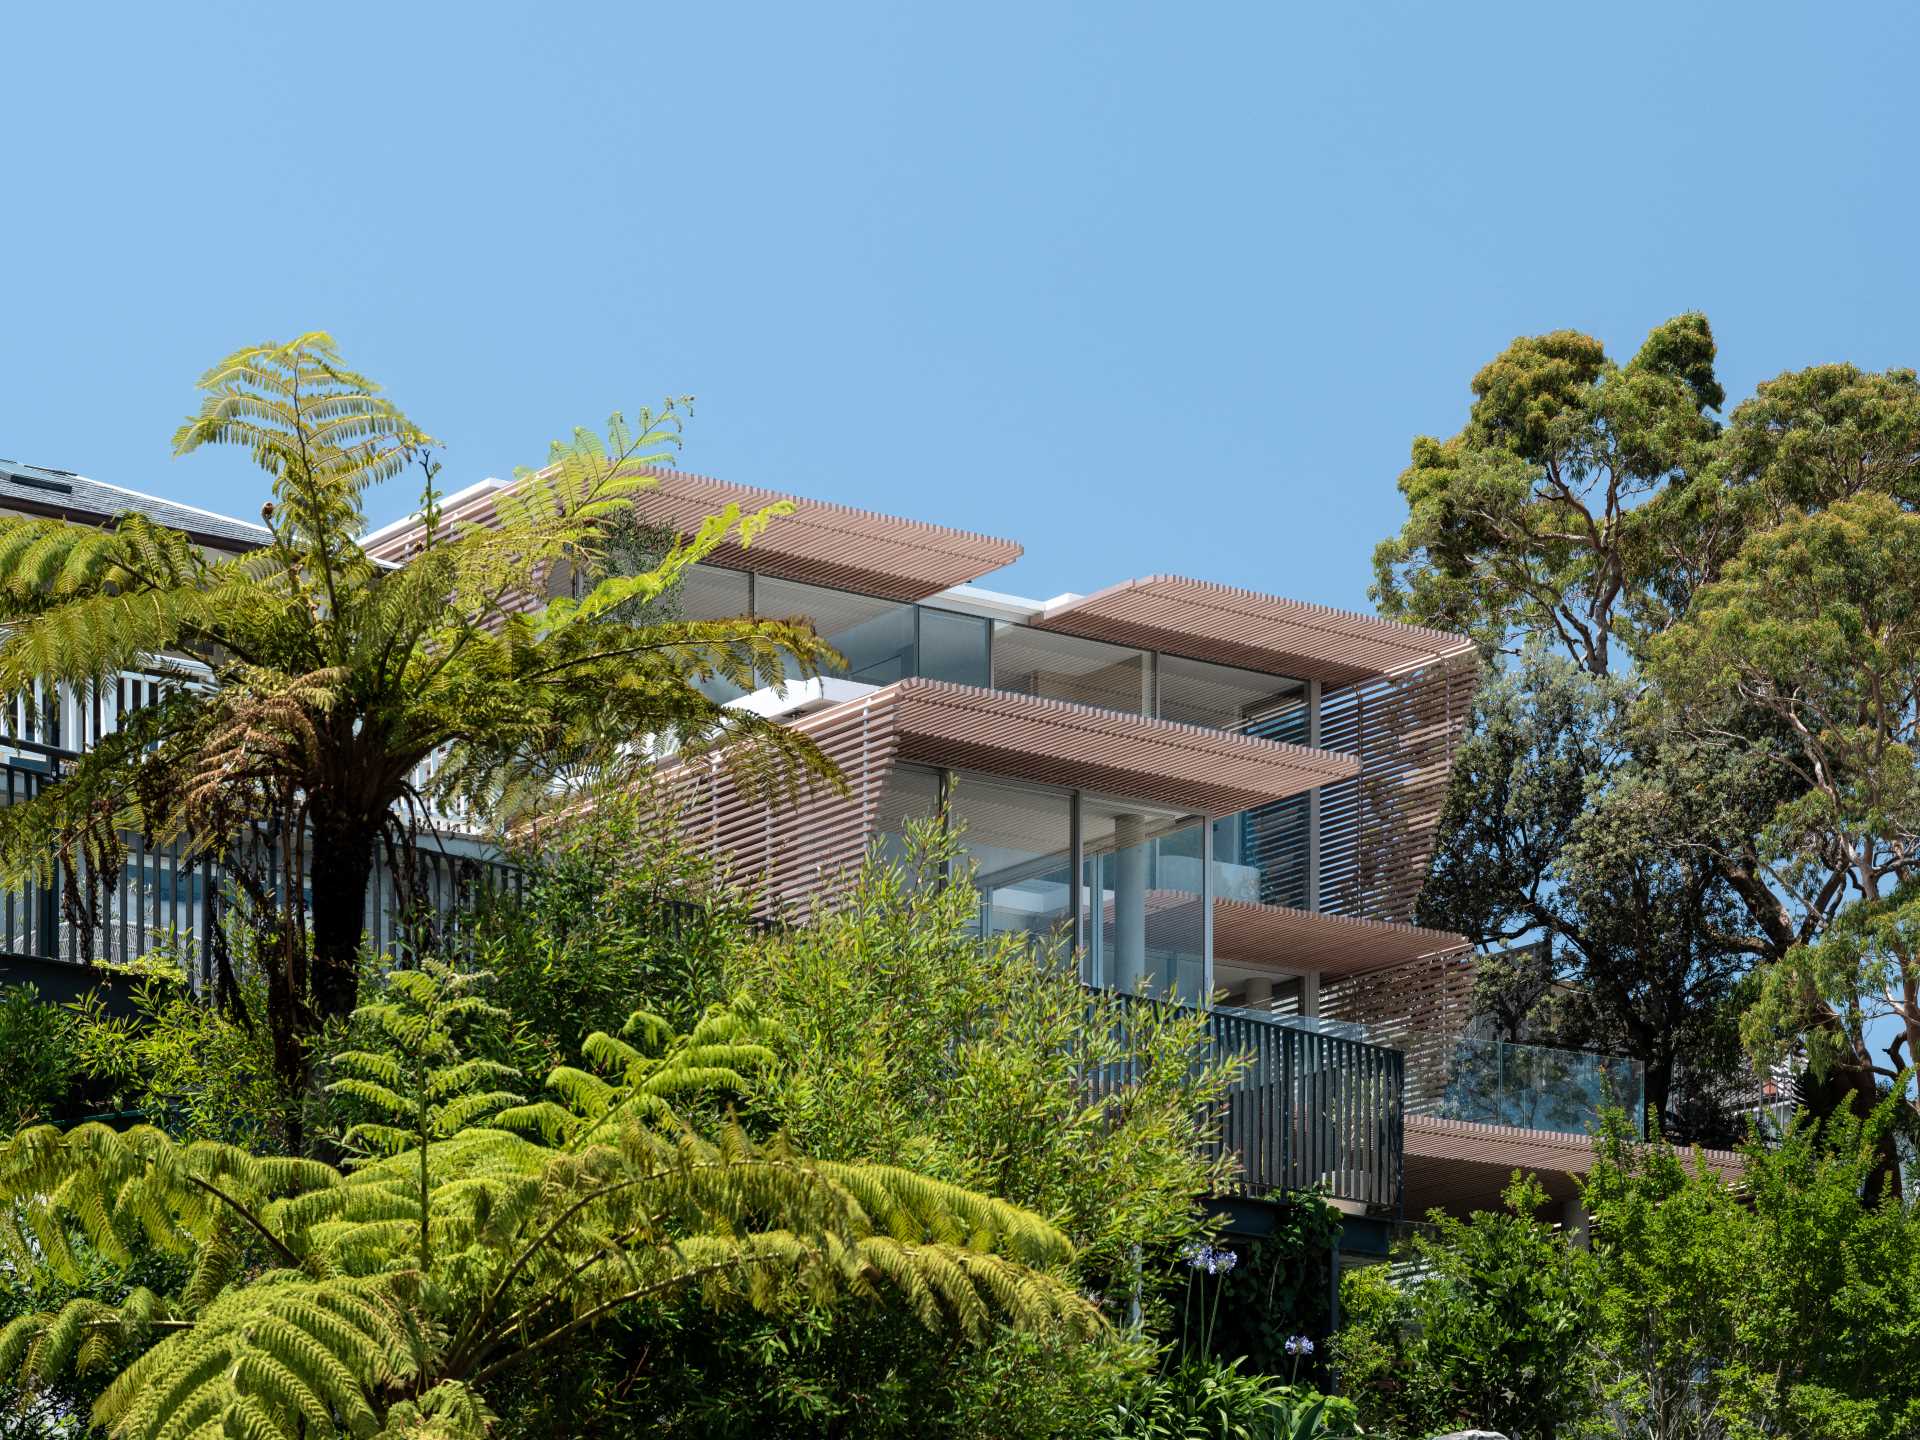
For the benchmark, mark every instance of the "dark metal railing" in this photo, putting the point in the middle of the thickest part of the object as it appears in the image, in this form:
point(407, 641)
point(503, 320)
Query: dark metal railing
point(162, 898)
point(1307, 1112)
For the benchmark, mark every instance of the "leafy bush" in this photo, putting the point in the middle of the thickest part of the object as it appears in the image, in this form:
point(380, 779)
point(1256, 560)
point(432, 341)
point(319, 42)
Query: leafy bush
point(1488, 1327)
point(1788, 1307)
point(474, 1236)
point(1207, 1399)
point(907, 1036)
point(187, 1066)
point(38, 1062)
point(615, 910)
point(900, 1037)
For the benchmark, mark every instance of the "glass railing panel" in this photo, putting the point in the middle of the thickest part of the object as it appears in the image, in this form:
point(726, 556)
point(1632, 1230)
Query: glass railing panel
point(1535, 1087)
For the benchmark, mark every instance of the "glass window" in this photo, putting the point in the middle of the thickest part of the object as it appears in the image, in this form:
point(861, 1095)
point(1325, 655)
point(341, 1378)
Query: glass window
point(874, 637)
point(705, 592)
point(1146, 899)
point(1225, 698)
point(1065, 667)
point(954, 647)
point(912, 793)
point(1018, 839)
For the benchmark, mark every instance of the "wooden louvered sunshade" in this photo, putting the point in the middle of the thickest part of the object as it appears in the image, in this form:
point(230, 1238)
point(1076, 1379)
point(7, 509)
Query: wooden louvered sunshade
point(1229, 626)
point(819, 543)
point(1055, 742)
point(797, 854)
point(1462, 1165)
point(1277, 936)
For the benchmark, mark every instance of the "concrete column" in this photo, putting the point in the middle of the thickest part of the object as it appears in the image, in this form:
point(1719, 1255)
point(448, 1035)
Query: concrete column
point(1259, 992)
point(1129, 902)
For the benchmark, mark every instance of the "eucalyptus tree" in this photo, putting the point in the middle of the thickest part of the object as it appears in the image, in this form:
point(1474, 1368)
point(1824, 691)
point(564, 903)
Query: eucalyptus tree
point(336, 677)
point(1593, 507)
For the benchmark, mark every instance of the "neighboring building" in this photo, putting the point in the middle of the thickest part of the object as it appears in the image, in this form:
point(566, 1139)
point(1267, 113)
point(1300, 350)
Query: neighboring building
point(1204, 791)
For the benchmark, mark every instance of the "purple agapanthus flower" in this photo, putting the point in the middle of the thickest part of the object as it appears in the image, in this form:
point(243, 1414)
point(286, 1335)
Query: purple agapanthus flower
point(1215, 1261)
point(1298, 1345)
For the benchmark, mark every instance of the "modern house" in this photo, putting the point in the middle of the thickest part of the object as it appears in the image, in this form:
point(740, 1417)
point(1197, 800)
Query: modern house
point(1211, 796)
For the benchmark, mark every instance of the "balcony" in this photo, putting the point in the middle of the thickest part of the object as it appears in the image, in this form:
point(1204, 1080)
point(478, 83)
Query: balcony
point(1532, 1087)
point(1313, 1111)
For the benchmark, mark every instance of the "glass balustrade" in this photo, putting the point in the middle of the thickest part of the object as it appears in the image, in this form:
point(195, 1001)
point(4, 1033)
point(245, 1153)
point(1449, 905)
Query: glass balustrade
point(1535, 1087)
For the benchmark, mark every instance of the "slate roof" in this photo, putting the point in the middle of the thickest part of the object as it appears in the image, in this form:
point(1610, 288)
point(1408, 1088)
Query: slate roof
point(41, 490)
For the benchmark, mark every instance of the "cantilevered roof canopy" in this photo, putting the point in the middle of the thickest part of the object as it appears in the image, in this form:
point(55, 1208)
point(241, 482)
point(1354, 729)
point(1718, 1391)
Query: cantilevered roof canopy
point(1054, 742)
point(1205, 621)
point(1462, 1165)
point(819, 543)
point(1250, 935)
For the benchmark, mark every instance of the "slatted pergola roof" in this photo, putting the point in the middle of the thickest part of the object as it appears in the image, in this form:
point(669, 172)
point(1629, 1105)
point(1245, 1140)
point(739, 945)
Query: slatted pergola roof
point(1230, 626)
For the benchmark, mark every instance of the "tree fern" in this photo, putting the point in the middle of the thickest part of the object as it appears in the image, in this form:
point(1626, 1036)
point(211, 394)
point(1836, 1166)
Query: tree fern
point(472, 1233)
point(334, 677)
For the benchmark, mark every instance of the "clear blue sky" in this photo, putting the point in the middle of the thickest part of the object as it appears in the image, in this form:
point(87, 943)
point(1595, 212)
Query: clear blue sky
point(1146, 287)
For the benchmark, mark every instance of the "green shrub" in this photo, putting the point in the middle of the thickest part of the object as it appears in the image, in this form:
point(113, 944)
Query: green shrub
point(1207, 1399)
point(38, 1062)
point(615, 910)
point(1488, 1325)
point(1790, 1306)
point(188, 1066)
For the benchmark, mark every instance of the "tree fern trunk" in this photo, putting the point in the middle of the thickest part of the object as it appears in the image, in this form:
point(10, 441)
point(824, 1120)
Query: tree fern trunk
point(343, 851)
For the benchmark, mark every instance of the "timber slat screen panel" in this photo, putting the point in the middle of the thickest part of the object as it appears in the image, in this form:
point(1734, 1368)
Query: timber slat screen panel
point(1377, 829)
point(1308, 1113)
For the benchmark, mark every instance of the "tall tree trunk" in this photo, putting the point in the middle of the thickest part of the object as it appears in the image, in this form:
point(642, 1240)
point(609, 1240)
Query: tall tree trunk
point(342, 871)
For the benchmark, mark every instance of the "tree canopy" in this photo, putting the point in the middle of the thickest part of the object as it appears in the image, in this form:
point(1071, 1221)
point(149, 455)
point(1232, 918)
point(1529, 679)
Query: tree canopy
point(1659, 808)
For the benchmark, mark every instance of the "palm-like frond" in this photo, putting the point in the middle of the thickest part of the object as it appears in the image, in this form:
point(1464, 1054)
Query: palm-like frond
point(383, 1298)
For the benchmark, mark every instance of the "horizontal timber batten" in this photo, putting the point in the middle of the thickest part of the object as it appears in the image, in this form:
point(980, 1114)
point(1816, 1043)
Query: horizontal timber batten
point(1248, 933)
point(1230, 626)
point(819, 543)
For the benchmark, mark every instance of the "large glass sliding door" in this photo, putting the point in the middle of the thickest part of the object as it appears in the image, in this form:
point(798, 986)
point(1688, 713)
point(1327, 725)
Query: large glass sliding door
point(1019, 839)
point(1146, 890)
point(1127, 884)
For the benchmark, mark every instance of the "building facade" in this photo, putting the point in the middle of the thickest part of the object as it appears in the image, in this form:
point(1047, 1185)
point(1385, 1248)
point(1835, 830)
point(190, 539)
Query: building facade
point(1208, 795)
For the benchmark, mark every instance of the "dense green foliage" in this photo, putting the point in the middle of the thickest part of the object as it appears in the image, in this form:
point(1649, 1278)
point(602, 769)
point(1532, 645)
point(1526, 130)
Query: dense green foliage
point(1666, 820)
point(899, 1036)
point(1790, 1306)
point(1491, 1331)
point(1201, 1399)
point(475, 1233)
point(1815, 626)
point(38, 1057)
point(1785, 1305)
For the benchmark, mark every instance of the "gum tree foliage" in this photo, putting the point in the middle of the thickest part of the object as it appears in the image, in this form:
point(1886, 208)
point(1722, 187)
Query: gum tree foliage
point(1816, 625)
point(475, 1234)
point(1585, 508)
point(335, 677)
point(1787, 1306)
point(1569, 851)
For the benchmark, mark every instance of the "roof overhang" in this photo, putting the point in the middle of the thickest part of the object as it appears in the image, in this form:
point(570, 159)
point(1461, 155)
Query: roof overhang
point(1229, 626)
point(817, 542)
point(1462, 1165)
point(1253, 936)
point(1054, 742)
